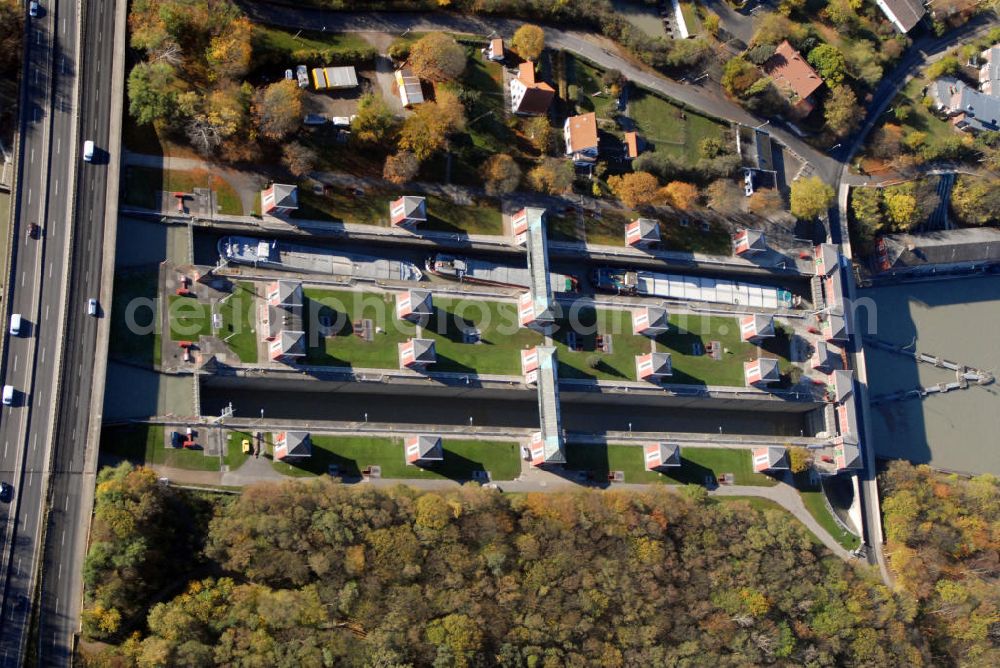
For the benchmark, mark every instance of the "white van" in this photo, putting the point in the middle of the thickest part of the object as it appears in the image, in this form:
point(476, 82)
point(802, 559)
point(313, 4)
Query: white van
point(88, 150)
point(8, 395)
point(15, 324)
point(91, 306)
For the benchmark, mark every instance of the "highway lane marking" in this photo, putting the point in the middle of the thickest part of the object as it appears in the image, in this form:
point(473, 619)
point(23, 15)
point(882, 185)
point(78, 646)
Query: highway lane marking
point(43, 355)
point(6, 444)
point(19, 564)
point(57, 186)
point(32, 160)
point(62, 543)
point(66, 505)
point(58, 143)
point(46, 307)
point(15, 363)
point(22, 278)
point(63, 28)
point(31, 475)
point(34, 442)
point(29, 196)
point(98, 67)
point(38, 37)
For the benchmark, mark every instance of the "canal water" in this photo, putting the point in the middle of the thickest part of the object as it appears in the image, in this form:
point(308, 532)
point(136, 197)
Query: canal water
point(958, 320)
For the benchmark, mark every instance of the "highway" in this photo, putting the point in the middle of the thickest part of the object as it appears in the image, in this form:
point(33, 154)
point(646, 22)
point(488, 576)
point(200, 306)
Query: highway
point(61, 582)
point(47, 165)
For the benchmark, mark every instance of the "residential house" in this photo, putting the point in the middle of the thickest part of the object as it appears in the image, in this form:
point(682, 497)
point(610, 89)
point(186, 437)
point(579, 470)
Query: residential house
point(423, 450)
point(661, 456)
point(756, 326)
point(653, 366)
point(495, 50)
point(967, 108)
point(762, 371)
point(279, 199)
point(292, 445)
point(414, 305)
point(650, 321)
point(408, 85)
point(417, 354)
point(408, 211)
point(770, 458)
point(580, 133)
point(642, 233)
point(989, 71)
point(529, 97)
point(794, 77)
point(904, 14)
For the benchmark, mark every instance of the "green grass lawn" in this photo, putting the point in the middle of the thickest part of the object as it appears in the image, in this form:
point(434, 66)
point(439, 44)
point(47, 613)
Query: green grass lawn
point(343, 348)
point(696, 464)
point(234, 457)
point(618, 364)
point(587, 79)
point(189, 318)
point(922, 118)
point(812, 498)
point(238, 317)
point(142, 187)
point(351, 454)
point(144, 444)
point(562, 228)
point(608, 230)
point(135, 344)
point(271, 39)
point(372, 208)
point(501, 338)
point(691, 18)
point(688, 331)
point(670, 129)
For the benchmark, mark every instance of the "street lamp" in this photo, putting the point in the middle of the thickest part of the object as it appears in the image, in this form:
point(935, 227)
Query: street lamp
point(767, 122)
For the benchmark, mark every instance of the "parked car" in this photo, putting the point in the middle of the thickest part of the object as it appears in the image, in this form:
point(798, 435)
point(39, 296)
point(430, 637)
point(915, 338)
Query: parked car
point(289, 74)
point(314, 119)
point(302, 74)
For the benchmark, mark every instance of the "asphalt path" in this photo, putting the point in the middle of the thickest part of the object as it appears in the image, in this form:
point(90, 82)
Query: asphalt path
point(36, 291)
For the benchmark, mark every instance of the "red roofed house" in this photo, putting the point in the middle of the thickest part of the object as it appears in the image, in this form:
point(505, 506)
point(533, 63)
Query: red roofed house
point(650, 321)
point(279, 199)
point(407, 211)
point(653, 366)
point(770, 458)
point(749, 242)
point(580, 133)
point(662, 456)
point(292, 445)
point(414, 305)
point(794, 77)
point(495, 50)
point(417, 353)
point(756, 326)
point(423, 450)
point(761, 371)
point(527, 96)
point(642, 233)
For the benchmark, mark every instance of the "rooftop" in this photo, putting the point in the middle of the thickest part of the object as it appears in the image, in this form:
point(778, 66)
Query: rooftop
point(791, 72)
point(582, 132)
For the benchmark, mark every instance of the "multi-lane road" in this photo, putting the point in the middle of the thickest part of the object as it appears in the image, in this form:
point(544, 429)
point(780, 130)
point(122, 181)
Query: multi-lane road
point(51, 363)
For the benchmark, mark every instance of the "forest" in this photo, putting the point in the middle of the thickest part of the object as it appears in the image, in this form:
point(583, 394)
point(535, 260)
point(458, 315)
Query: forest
point(943, 539)
point(318, 573)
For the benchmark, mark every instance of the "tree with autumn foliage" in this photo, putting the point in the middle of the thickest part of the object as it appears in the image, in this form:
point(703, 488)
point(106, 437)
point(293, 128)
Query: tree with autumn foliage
point(425, 132)
point(501, 174)
point(528, 41)
point(681, 195)
point(401, 168)
point(277, 109)
point(552, 176)
point(810, 197)
point(634, 189)
point(437, 57)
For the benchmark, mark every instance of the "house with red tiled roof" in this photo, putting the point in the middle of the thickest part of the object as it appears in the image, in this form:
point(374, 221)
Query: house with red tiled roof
point(529, 97)
point(793, 76)
point(580, 133)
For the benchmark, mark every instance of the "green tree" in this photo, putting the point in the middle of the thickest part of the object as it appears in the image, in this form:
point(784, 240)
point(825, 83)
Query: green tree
point(866, 205)
point(976, 200)
point(540, 134)
point(501, 174)
point(437, 57)
point(738, 76)
point(553, 176)
point(829, 63)
point(374, 121)
point(151, 92)
point(946, 67)
point(810, 197)
point(528, 41)
point(900, 207)
point(841, 111)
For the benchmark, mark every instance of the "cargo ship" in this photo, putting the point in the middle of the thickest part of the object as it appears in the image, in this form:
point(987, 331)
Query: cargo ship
point(690, 288)
point(482, 272)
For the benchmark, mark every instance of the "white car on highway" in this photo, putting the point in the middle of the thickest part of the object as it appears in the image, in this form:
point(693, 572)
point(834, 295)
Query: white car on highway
point(33, 8)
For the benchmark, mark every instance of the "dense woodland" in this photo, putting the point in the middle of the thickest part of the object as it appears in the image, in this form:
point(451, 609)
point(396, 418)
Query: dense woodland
point(321, 574)
point(943, 536)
